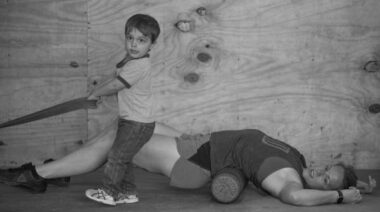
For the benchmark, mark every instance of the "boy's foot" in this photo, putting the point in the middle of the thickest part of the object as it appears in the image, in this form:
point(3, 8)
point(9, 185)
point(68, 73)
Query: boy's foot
point(24, 176)
point(99, 195)
point(60, 181)
point(127, 198)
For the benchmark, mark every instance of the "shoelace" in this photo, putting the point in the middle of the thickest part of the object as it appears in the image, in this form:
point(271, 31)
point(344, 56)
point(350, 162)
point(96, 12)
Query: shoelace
point(100, 194)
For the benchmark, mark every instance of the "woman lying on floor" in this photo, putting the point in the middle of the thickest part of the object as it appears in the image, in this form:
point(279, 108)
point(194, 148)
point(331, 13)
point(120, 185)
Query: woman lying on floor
point(191, 161)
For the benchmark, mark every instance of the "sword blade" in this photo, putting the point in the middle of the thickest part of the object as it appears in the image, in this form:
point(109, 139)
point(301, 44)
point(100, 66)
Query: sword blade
point(72, 105)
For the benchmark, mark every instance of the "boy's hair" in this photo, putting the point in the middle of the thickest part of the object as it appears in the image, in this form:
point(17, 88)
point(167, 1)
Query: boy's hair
point(146, 24)
point(349, 176)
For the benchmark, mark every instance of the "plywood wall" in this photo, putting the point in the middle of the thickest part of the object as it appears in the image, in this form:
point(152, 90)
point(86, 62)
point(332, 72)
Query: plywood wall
point(43, 62)
point(292, 68)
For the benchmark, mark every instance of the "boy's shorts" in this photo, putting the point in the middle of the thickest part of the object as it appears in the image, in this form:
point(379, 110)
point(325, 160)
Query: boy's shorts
point(186, 174)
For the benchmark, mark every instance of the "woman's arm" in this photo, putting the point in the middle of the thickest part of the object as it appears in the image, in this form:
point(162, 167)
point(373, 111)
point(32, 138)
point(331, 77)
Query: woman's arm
point(286, 185)
point(294, 194)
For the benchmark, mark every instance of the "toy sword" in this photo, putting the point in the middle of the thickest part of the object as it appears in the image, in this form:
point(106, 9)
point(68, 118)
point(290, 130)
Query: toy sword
point(76, 104)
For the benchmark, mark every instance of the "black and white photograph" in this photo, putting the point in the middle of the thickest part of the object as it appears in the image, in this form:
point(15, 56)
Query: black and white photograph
point(189, 105)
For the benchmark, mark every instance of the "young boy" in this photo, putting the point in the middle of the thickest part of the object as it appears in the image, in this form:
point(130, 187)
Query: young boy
point(135, 127)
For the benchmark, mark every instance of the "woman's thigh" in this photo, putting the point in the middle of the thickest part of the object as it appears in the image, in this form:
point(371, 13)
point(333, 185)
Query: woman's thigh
point(158, 155)
point(186, 174)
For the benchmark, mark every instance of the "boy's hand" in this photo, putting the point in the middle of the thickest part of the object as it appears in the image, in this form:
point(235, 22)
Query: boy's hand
point(97, 98)
point(92, 97)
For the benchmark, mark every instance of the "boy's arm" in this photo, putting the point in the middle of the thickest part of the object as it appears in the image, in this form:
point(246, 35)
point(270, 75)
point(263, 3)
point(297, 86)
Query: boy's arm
point(126, 78)
point(108, 87)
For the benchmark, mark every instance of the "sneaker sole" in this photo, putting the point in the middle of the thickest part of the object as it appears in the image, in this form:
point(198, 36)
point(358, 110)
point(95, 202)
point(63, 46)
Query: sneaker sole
point(124, 201)
point(100, 201)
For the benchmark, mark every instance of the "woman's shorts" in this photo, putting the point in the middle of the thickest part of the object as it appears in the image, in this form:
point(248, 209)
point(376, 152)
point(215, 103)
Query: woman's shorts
point(186, 174)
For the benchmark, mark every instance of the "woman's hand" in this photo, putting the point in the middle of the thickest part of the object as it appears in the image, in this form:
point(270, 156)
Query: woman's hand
point(351, 195)
point(367, 188)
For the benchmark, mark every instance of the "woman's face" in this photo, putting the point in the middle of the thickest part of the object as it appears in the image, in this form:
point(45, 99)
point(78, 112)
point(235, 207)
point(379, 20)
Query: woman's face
point(137, 44)
point(324, 178)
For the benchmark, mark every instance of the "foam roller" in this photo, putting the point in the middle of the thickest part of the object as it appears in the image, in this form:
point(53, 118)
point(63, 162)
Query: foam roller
point(228, 184)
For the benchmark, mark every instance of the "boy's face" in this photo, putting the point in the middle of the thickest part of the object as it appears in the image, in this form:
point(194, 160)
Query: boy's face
point(136, 44)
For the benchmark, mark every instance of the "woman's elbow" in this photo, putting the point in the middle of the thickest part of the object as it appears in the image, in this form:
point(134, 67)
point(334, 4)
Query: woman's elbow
point(292, 199)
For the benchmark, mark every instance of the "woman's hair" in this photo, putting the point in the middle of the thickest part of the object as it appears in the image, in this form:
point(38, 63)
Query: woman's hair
point(146, 24)
point(349, 176)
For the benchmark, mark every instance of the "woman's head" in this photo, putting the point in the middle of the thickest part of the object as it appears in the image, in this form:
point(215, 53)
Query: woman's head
point(330, 177)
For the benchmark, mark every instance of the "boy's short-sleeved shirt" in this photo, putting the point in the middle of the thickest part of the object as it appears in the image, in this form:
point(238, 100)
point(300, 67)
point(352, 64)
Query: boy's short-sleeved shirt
point(136, 99)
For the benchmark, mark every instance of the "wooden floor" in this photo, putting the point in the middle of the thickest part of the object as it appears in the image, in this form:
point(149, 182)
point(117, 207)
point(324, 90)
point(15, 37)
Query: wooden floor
point(156, 195)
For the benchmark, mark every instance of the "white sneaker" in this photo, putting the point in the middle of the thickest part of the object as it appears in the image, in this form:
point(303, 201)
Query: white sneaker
point(127, 198)
point(99, 195)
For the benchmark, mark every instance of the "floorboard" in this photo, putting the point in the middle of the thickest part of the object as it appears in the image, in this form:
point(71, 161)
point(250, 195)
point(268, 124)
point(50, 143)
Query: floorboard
point(156, 195)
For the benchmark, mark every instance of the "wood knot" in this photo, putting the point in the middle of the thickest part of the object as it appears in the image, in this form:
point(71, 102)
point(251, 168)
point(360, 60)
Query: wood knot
point(184, 25)
point(191, 77)
point(201, 11)
point(74, 64)
point(372, 66)
point(374, 108)
point(204, 57)
point(94, 82)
